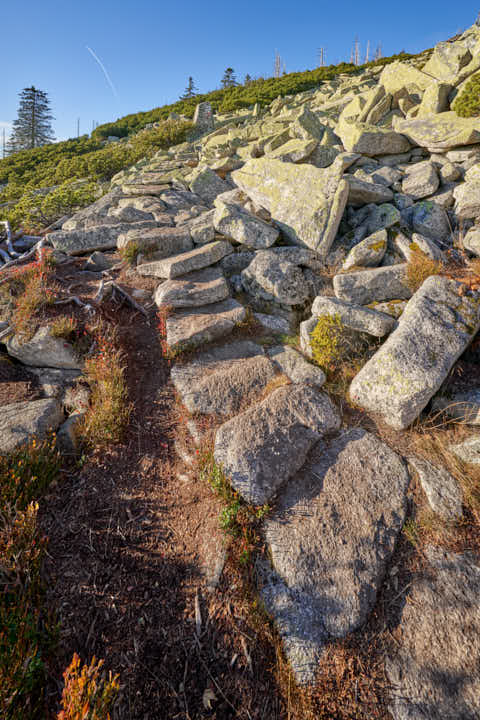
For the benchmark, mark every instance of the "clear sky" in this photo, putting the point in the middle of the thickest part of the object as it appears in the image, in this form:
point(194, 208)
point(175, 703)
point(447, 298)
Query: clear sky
point(150, 47)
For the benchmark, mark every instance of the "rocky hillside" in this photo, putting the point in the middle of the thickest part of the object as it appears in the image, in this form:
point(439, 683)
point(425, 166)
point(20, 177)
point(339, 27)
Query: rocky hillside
point(314, 268)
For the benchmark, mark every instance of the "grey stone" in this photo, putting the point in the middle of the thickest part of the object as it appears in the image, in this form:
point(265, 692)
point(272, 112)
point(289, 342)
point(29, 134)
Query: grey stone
point(207, 184)
point(129, 214)
point(443, 493)
point(263, 447)
point(368, 252)
point(371, 140)
point(102, 237)
point(468, 451)
point(366, 286)
point(186, 262)
point(431, 220)
point(442, 131)
point(330, 538)
point(44, 350)
point(201, 228)
point(433, 669)
point(471, 241)
point(294, 150)
point(434, 330)
point(201, 287)
point(273, 323)
point(295, 367)
point(421, 181)
point(236, 262)
point(235, 223)
point(189, 328)
point(21, 422)
point(269, 277)
point(467, 200)
point(306, 328)
point(463, 406)
point(306, 203)
point(379, 217)
point(361, 319)
point(224, 379)
point(68, 436)
point(203, 117)
point(361, 192)
point(98, 262)
point(97, 209)
point(54, 381)
point(408, 247)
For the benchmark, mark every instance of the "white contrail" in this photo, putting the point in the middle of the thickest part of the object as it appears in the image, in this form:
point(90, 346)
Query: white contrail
point(107, 76)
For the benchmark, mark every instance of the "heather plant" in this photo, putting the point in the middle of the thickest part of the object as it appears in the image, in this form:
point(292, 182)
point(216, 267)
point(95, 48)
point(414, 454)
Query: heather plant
point(87, 694)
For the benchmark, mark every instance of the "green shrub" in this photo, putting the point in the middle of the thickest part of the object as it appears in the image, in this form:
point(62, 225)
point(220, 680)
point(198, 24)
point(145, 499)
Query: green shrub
point(467, 102)
point(327, 341)
point(35, 210)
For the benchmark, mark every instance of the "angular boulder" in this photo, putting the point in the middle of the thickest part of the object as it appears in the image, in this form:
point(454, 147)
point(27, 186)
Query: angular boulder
point(234, 222)
point(441, 131)
point(363, 287)
point(354, 317)
point(435, 328)
point(263, 447)
point(433, 669)
point(371, 140)
point(271, 277)
point(330, 538)
point(44, 350)
point(20, 422)
point(306, 202)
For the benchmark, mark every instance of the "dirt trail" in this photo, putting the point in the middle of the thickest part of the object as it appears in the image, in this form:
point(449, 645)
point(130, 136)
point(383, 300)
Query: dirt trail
point(127, 544)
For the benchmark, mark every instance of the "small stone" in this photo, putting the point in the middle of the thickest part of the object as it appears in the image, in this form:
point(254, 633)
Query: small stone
point(468, 451)
point(21, 422)
point(369, 252)
point(295, 367)
point(442, 490)
point(360, 319)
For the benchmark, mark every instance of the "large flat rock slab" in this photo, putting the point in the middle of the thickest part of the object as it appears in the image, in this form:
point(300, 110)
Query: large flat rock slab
point(441, 131)
point(263, 447)
point(434, 670)
point(20, 422)
point(434, 330)
point(363, 287)
point(222, 380)
point(44, 350)
point(189, 328)
point(330, 538)
point(307, 203)
point(292, 364)
point(101, 237)
point(354, 317)
point(186, 262)
point(201, 287)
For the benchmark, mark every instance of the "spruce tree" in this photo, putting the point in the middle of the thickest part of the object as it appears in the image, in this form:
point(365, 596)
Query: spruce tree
point(248, 79)
point(190, 90)
point(33, 126)
point(229, 79)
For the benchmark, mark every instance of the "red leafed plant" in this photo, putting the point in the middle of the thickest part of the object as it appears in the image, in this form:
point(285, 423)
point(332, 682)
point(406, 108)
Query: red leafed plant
point(87, 695)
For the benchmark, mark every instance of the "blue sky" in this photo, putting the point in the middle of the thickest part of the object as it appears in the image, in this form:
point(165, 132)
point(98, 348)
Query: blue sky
point(150, 47)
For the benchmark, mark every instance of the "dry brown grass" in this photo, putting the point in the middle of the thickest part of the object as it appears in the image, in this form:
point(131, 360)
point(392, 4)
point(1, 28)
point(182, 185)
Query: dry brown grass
point(420, 267)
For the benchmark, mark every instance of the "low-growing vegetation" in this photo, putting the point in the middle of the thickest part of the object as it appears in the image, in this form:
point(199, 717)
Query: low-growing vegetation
point(27, 631)
point(109, 409)
point(88, 694)
point(467, 102)
point(237, 518)
point(420, 267)
point(328, 342)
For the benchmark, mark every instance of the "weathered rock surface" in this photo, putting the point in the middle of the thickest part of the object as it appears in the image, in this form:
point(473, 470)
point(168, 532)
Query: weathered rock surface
point(263, 447)
point(189, 328)
point(201, 287)
point(330, 538)
point(20, 422)
point(434, 671)
point(468, 451)
point(442, 490)
point(371, 140)
point(421, 181)
point(44, 350)
point(366, 286)
point(233, 222)
point(467, 200)
point(307, 203)
point(361, 192)
point(221, 380)
point(368, 252)
point(463, 406)
point(207, 184)
point(354, 317)
point(101, 237)
point(186, 262)
point(270, 277)
point(295, 367)
point(434, 330)
point(431, 220)
point(439, 132)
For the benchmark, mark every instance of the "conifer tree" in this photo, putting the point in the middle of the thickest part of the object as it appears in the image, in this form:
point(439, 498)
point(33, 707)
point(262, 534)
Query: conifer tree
point(33, 126)
point(190, 90)
point(229, 79)
point(248, 79)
